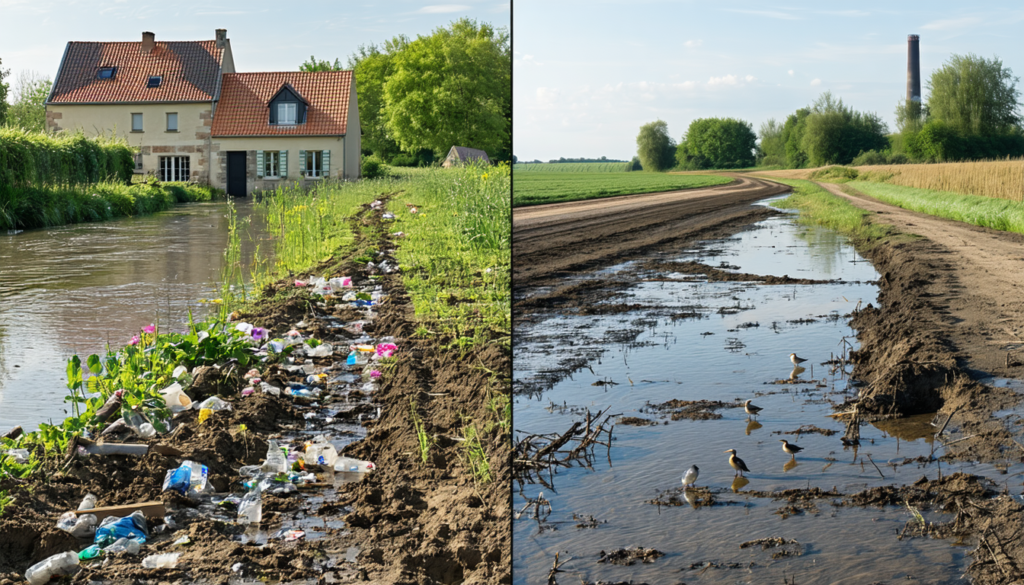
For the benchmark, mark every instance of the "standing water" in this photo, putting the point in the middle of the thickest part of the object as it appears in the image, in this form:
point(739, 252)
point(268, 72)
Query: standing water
point(75, 289)
point(729, 342)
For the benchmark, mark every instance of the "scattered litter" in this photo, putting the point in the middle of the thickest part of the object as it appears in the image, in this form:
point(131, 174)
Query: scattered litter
point(250, 510)
point(353, 465)
point(126, 545)
point(176, 398)
point(65, 563)
point(293, 535)
point(88, 502)
point(113, 528)
point(78, 526)
point(161, 561)
point(320, 451)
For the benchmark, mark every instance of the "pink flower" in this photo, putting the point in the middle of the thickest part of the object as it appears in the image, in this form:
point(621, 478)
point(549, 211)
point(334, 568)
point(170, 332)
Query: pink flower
point(375, 374)
point(149, 328)
point(134, 340)
point(386, 349)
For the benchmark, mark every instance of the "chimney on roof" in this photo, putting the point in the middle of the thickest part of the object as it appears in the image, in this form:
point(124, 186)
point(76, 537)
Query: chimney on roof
point(222, 37)
point(148, 42)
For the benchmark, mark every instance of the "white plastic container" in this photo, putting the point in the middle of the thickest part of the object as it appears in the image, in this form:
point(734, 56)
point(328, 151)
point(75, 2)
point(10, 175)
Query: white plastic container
point(321, 452)
point(276, 461)
point(63, 564)
point(175, 397)
point(353, 465)
point(250, 510)
point(161, 561)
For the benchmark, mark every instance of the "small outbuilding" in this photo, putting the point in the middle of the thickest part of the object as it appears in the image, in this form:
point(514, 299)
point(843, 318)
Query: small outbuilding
point(460, 155)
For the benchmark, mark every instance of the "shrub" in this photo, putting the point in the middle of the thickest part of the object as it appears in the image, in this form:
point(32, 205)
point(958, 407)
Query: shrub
point(373, 168)
point(405, 160)
point(869, 157)
point(834, 174)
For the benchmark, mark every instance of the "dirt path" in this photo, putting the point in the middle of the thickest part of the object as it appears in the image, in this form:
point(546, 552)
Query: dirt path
point(977, 286)
point(551, 242)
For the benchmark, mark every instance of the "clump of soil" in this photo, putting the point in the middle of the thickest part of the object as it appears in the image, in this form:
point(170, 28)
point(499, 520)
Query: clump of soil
point(693, 409)
point(636, 421)
point(629, 556)
point(937, 492)
point(808, 430)
point(718, 275)
point(767, 543)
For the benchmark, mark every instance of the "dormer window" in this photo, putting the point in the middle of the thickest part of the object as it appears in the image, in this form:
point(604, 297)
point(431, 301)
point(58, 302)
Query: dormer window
point(106, 72)
point(286, 112)
point(154, 81)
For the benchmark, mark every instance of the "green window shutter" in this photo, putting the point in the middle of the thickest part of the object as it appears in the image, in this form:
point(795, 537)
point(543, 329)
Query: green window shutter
point(283, 173)
point(259, 163)
point(327, 163)
point(302, 163)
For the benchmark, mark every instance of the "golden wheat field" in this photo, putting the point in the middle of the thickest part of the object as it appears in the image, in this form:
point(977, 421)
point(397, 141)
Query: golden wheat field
point(1002, 179)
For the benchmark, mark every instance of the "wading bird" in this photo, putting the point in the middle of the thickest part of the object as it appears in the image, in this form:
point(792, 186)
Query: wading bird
point(751, 409)
point(736, 462)
point(791, 449)
point(690, 477)
point(796, 360)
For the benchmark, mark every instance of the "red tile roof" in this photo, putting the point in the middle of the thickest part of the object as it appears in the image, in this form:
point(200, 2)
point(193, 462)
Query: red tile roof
point(190, 71)
point(243, 109)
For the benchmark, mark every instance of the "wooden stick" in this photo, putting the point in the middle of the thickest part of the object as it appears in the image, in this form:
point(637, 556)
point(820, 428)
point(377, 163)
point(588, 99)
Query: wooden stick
point(868, 455)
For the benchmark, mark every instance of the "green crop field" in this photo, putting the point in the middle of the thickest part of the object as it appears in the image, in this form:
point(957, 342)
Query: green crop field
point(602, 167)
point(533, 188)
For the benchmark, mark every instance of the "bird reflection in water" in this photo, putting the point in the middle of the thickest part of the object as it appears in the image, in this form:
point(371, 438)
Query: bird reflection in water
point(789, 465)
point(690, 497)
point(796, 372)
point(753, 426)
point(739, 483)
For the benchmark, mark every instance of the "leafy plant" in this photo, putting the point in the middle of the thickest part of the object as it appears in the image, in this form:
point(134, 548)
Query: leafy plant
point(421, 434)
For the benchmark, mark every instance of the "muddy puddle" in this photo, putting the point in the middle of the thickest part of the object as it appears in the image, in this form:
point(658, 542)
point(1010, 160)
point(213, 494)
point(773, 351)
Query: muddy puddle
point(688, 339)
point(75, 289)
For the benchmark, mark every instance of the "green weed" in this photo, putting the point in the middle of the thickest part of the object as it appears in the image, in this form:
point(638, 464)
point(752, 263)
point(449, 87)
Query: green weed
point(5, 500)
point(421, 434)
point(476, 457)
point(819, 207)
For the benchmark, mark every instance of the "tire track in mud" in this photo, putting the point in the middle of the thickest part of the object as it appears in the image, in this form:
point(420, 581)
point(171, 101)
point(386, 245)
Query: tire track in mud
point(553, 242)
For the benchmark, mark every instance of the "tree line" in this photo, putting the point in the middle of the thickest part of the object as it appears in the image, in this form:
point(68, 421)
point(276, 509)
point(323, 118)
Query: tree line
point(972, 112)
point(418, 98)
point(27, 109)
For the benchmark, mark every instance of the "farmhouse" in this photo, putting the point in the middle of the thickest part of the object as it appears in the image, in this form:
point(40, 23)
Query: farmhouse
point(460, 155)
point(192, 117)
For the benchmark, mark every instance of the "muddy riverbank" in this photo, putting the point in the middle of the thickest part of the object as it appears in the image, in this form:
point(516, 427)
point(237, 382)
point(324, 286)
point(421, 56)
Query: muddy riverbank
point(405, 522)
point(910, 358)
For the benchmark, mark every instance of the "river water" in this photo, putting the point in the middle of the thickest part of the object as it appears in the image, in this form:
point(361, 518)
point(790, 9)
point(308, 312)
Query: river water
point(732, 345)
point(75, 289)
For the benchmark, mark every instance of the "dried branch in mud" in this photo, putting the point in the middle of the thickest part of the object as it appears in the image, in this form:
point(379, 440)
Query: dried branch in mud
point(539, 452)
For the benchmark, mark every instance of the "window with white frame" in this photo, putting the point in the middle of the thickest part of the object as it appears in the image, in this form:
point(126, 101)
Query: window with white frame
point(271, 164)
point(172, 122)
point(313, 166)
point(286, 112)
point(174, 168)
point(136, 122)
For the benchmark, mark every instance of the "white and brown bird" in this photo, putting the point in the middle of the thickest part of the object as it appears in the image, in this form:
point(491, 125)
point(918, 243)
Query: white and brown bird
point(751, 409)
point(796, 359)
point(690, 477)
point(737, 463)
point(791, 449)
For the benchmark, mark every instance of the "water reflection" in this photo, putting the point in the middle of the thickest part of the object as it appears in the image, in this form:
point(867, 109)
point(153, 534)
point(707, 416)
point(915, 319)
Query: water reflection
point(795, 374)
point(739, 483)
point(790, 465)
point(76, 289)
point(753, 426)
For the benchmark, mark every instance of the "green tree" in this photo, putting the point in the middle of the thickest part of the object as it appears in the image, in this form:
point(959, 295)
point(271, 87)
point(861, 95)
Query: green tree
point(3, 94)
point(313, 65)
point(973, 95)
point(655, 147)
point(773, 147)
point(29, 108)
point(792, 136)
point(834, 133)
point(717, 143)
point(373, 66)
point(452, 88)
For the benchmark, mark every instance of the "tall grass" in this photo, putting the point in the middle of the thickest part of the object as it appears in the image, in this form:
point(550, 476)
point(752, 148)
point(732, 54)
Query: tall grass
point(1002, 179)
point(456, 254)
point(819, 207)
point(998, 214)
point(32, 206)
point(37, 158)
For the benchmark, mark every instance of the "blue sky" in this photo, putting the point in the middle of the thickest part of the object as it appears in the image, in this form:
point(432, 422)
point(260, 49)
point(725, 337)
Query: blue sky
point(587, 75)
point(265, 35)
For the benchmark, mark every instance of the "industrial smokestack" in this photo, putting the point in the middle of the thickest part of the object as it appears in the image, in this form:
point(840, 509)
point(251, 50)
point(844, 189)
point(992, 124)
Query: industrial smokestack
point(913, 69)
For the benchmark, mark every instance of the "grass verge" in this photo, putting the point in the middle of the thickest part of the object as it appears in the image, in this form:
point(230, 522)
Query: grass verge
point(29, 207)
point(819, 207)
point(535, 188)
point(998, 214)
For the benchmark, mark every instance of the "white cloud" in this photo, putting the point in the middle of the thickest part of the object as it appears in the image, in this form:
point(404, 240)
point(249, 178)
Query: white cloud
point(791, 72)
point(726, 80)
point(443, 8)
point(952, 23)
point(749, 78)
point(547, 97)
point(816, 81)
point(692, 43)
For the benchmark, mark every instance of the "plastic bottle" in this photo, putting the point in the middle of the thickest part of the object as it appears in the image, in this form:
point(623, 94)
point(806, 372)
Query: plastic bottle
point(354, 465)
point(276, 461)
point(62, 564)
point(250, 510)
point(197, 477)
point(161, 561)
point(79, 526)
point(92, 552)
point(88, 502)
point(250, 471)
point(128, 545)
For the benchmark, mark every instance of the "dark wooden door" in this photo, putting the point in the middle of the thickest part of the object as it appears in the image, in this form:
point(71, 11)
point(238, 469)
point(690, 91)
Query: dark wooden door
point(236, 174)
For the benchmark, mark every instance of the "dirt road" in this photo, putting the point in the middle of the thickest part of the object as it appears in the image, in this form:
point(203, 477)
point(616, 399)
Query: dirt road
point(551, 242)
